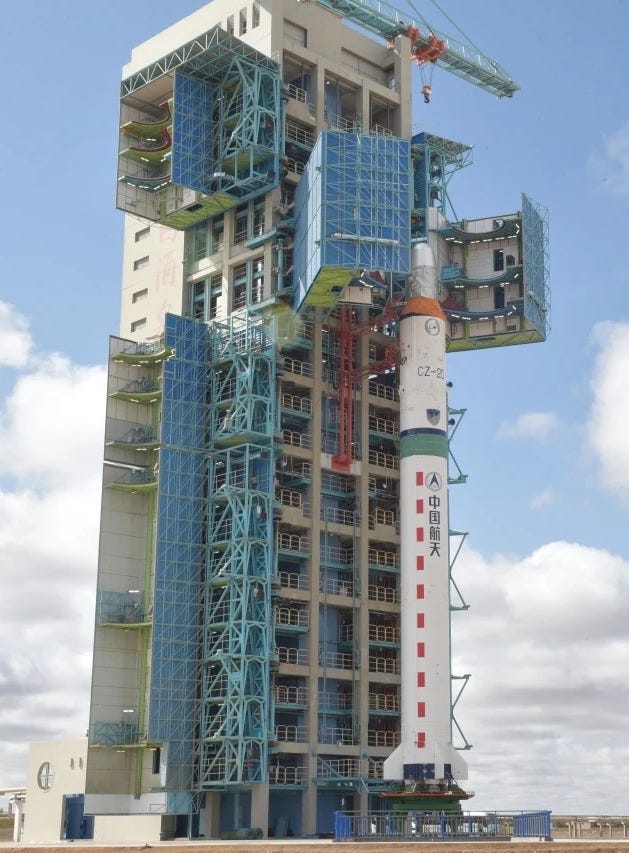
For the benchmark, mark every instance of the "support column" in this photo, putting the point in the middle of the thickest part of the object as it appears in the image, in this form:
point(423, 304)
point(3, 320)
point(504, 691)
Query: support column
point(210, 815)
point(365, 108)
point(260, 808)
point(363, 801)
point(309, 804)
point(402, 66)
point(318, 86)
point(17, 804)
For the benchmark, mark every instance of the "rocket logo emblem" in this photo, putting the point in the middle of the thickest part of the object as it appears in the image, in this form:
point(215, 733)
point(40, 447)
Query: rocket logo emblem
point(434, 481)
point(432, 326)
point(433, 415)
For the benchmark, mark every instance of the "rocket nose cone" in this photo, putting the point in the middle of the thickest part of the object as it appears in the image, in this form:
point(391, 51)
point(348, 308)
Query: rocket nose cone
point(423, 278)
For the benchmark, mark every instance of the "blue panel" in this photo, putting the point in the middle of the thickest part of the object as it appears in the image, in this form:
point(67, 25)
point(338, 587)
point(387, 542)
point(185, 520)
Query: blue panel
point(367, 196)
point(285, 813)
point(535, 263)
point(76, 824)
point(178, 802)
point(235, 811)
point(342, 827)
point(328, 803)
point(192, 133)
point(179, 554)
point(532, 824)
point(417, 772)
point(352, 213)
point(307, 225)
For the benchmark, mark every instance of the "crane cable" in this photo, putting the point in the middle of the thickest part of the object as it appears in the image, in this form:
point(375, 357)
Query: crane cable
point(426, 70)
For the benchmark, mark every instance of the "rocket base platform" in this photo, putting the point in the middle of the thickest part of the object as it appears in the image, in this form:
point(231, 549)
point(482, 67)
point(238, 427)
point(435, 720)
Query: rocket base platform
point(419, 796)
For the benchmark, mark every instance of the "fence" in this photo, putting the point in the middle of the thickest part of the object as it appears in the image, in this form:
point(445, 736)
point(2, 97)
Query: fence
point(415, 825)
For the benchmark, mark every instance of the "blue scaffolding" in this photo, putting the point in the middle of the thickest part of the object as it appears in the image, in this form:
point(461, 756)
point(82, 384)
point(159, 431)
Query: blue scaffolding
point(212, 142)
point(535, 261)
point(179, 557)
point(236, 699)
point(352, 213)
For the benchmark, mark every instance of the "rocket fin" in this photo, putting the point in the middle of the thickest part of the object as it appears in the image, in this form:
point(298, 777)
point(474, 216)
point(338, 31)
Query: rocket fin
point(393, 767)
point(458, 764)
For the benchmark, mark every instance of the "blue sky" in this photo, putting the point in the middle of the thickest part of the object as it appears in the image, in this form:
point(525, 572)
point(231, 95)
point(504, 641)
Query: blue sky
point(544, 440)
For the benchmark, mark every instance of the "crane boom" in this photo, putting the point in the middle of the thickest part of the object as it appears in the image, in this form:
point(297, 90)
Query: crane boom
point(463, 61)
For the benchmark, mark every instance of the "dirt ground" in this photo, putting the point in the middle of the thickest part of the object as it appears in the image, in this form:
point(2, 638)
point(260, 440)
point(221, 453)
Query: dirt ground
point(274, 846)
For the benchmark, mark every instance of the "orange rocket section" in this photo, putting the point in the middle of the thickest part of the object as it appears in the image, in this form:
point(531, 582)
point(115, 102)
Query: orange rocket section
point(422, 306)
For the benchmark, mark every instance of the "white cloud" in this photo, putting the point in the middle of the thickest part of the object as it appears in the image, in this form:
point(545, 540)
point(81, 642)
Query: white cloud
point(610, 163)
point(51, 427)
point(542, 499)
point(606, 427)
point(15, 338)
point(547, 646)
point(50, 422)
point(537, 426)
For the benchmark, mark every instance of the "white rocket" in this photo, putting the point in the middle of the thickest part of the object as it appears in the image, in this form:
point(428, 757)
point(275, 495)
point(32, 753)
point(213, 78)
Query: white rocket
point(425, 751)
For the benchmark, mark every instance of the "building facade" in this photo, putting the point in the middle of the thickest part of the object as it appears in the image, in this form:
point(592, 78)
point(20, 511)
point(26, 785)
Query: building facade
point(55, 789)
point(247, 642)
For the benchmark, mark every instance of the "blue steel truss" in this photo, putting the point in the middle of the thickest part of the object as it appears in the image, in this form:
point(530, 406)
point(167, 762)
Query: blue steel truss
point(435, 161)
point(228, 131)
point(246, 112)
point(236, 699)
point(457, 601)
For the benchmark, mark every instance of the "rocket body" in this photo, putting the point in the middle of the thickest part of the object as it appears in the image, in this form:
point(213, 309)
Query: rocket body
point(425, 751)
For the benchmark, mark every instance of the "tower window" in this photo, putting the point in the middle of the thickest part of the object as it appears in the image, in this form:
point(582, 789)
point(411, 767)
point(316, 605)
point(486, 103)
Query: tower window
point(257, 280)
point(296, 34)
point(205, 296)
point(258, 218)
point(157, 760)
point(239, 287)
point(499, 260)
point(141, 263)
point(216, 242)
point(200, 241)
point(240, 225)
point(197, 309)
point(216, 291)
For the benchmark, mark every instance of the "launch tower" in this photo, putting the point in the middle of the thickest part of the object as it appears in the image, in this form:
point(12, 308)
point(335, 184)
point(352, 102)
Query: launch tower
point(248, 643)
